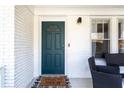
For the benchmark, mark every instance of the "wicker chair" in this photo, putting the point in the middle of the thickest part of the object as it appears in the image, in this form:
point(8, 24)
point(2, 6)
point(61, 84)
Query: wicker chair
point(104, 76)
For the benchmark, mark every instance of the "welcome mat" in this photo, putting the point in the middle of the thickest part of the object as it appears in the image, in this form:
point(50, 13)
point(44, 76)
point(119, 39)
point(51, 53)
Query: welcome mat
point(52, 81)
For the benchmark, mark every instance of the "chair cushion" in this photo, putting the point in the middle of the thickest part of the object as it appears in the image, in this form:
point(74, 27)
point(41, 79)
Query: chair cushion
point(114, 59)
point(108, 69)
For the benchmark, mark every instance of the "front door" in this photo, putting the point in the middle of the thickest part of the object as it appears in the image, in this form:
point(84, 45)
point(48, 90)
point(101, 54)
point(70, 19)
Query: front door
point(53, 47)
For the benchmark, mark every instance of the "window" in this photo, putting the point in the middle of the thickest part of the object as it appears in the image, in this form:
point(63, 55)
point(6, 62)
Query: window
point(121, 35)
point(100, 37)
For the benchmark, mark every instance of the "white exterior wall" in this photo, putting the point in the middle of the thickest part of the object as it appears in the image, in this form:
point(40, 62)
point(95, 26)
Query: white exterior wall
point(78, 35)
point(7, 43)
point(80, 46)
point(23, 46)
point(16, 45)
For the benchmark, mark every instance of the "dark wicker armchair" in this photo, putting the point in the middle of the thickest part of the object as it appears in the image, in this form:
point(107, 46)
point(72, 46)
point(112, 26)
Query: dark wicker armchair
point(104, 76)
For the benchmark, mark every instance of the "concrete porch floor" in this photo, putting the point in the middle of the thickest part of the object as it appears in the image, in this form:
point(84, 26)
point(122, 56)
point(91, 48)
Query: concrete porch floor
point(81, 82)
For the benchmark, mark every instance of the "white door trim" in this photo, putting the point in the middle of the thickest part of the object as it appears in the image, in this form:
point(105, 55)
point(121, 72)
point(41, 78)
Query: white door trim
point(52, 18)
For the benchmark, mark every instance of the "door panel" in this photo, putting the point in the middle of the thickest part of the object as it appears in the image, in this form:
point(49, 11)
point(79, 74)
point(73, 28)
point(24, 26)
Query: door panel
point(49, 41)
point(53, 47)
point(58, 41)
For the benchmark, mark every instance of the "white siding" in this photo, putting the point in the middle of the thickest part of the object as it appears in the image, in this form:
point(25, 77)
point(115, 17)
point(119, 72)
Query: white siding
point(23, 46)
point(7, 43)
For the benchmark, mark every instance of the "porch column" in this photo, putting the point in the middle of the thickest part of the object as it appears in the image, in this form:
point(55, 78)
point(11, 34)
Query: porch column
point(114, 35)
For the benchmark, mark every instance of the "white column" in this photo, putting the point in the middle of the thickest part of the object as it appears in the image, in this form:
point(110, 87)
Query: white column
point(37, 45)
point(114, 35)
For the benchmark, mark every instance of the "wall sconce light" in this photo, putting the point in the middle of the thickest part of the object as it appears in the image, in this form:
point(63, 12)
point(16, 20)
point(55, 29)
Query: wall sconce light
point(79, 20)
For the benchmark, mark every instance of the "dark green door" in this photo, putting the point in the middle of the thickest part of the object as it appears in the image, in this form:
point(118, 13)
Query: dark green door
point(53, 47)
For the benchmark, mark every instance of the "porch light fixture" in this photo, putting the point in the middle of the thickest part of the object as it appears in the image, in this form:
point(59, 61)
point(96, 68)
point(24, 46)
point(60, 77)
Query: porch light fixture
point(79, 20)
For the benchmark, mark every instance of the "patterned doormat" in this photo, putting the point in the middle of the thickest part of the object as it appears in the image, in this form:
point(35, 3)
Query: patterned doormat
point(52, 81)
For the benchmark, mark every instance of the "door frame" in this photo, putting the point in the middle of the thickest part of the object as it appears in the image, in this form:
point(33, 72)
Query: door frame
point(52, 18)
